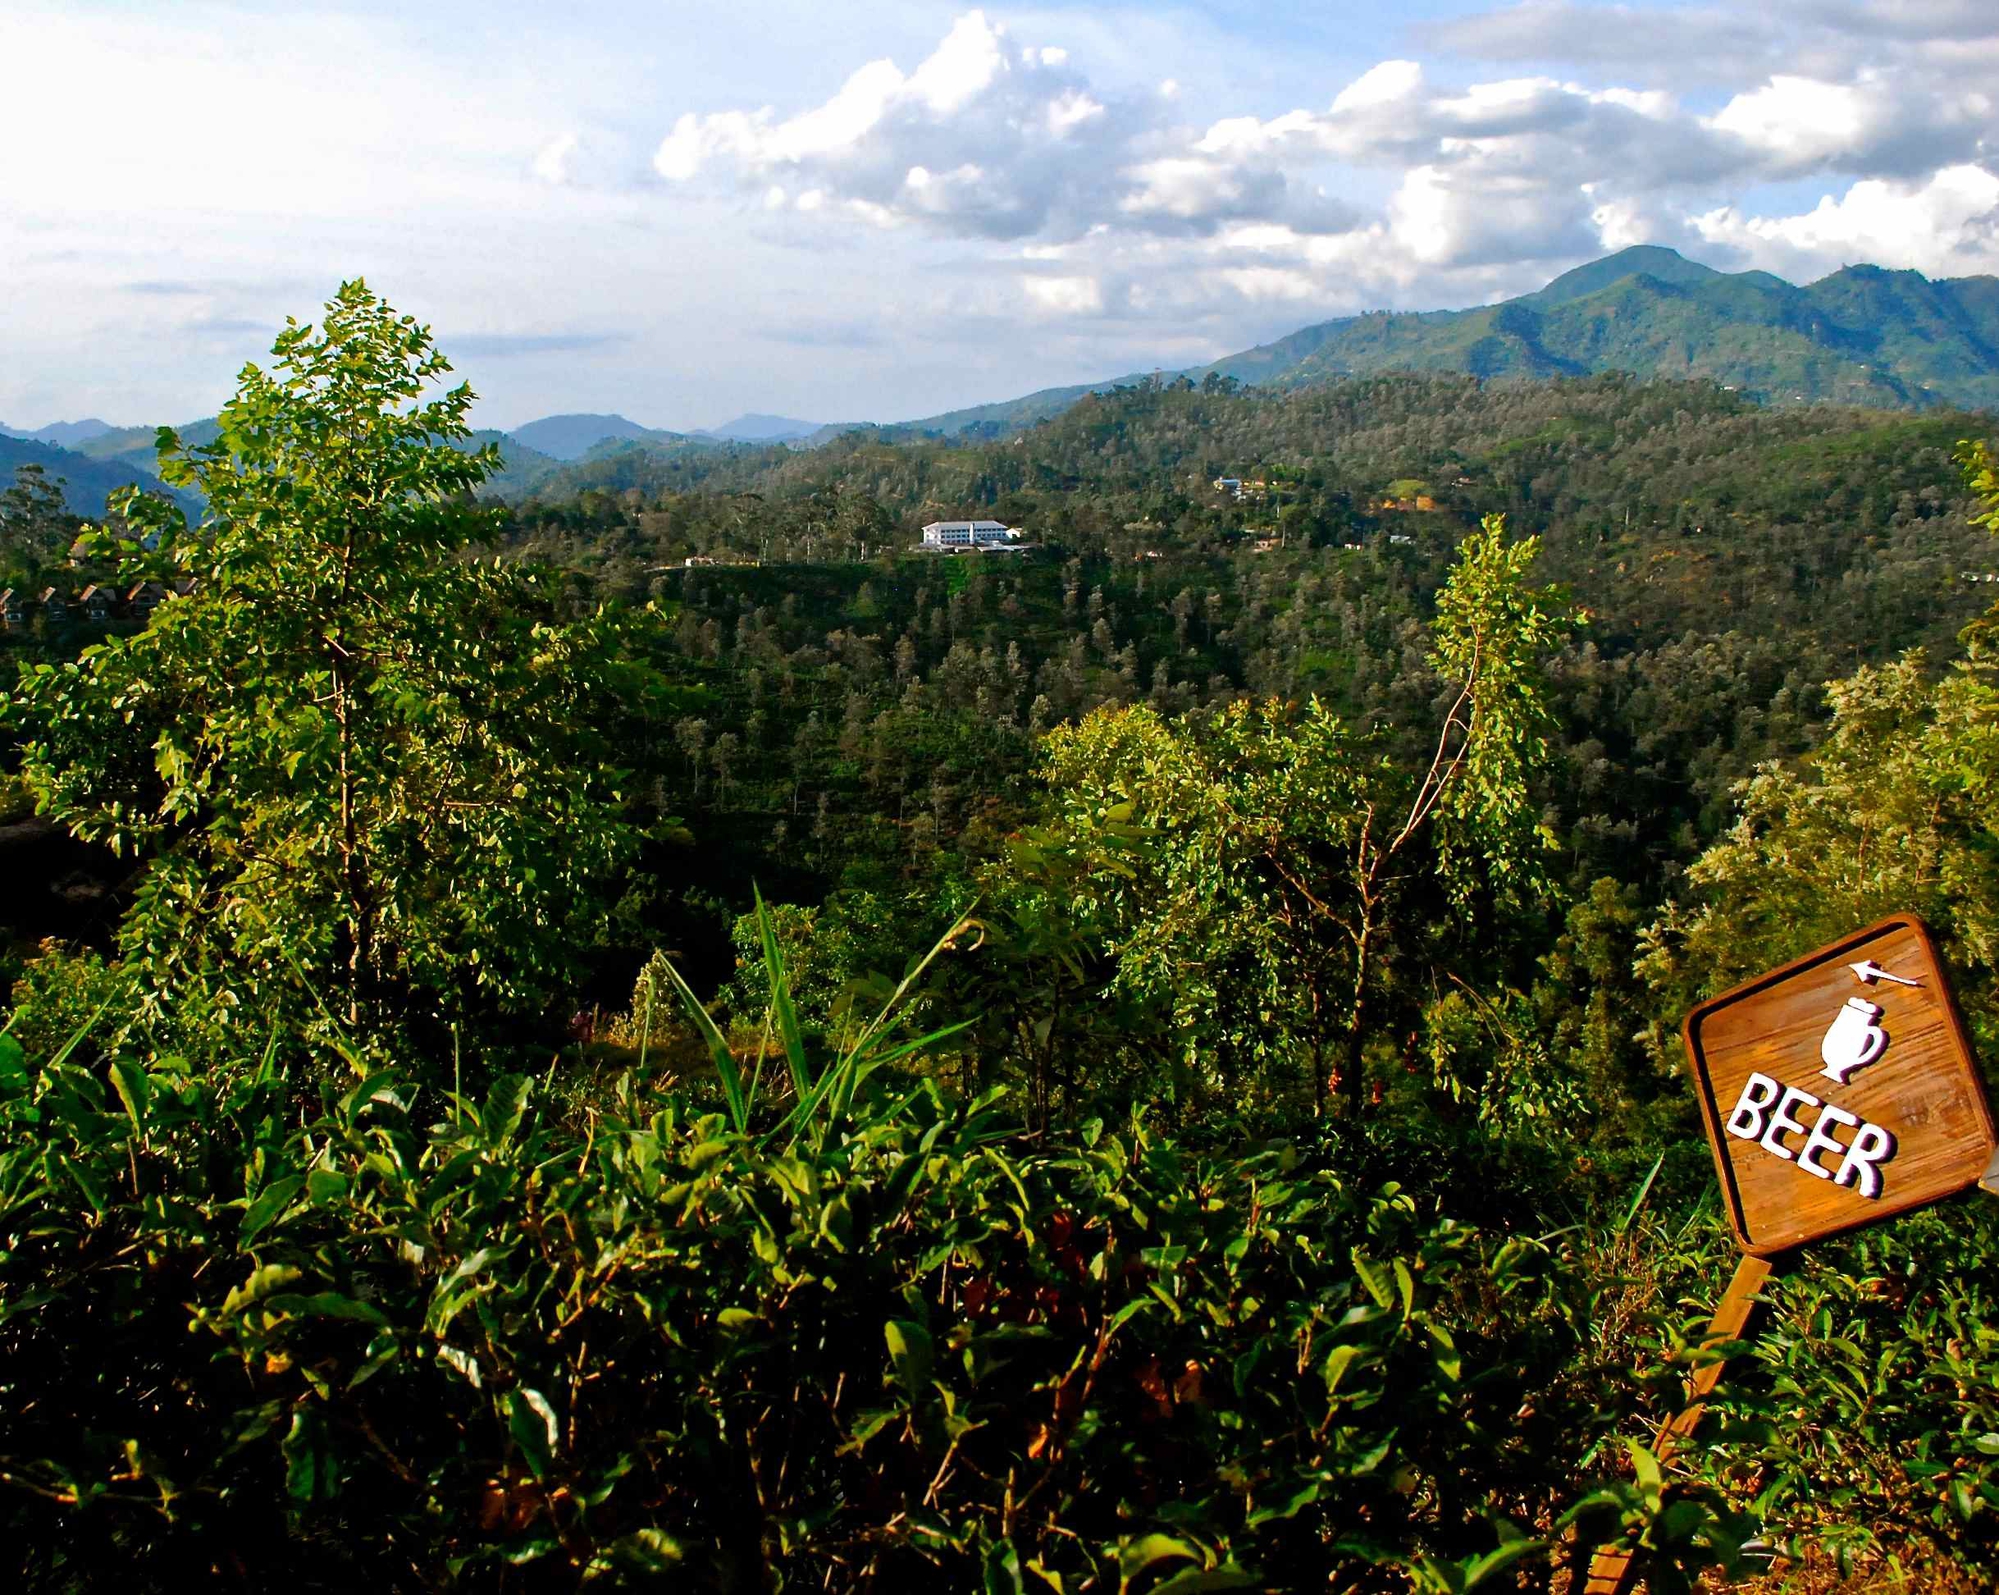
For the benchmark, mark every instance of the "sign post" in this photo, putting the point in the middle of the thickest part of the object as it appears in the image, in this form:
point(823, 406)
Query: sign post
point(1837, 1091)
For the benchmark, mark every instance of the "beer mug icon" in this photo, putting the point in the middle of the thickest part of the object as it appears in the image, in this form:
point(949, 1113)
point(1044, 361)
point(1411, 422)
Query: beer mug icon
point(1854, 1040)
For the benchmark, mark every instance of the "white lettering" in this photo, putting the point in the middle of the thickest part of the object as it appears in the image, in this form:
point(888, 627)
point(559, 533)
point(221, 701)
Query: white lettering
point(1821, 1140)
point(1872, 1145)
point(1765, 1113)
point(1758, 1092)
point(1782, 1124)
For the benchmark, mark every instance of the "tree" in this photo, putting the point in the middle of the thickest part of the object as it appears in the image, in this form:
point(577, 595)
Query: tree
point(1276, 849)
point(358, 764)
point(35, 528)
point(1897, 810)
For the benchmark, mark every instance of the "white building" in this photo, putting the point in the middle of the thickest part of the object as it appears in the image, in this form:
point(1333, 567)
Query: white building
point(969, 534)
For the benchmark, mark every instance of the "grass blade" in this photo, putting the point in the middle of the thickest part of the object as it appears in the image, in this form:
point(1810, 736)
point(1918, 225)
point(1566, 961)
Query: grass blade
point(1644, 1191)
point(895, 998)
point(718, 1050)
point(781, 1006)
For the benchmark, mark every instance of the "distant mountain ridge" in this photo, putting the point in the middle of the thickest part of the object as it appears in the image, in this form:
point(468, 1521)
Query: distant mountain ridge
point(1864, 335)
point(570, 437)
point(755, 428)
point(87, 483)
point(63, 434)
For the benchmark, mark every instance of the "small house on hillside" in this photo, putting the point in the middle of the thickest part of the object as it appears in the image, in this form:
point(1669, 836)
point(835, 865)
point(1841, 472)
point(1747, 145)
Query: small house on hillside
point(98, 602)
point(13, 607)
point(1231, 485)
point(54, 606)
point(144, 598)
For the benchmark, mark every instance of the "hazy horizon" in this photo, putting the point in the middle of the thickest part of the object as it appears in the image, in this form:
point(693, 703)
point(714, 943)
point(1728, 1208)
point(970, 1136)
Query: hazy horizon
point(684, 214)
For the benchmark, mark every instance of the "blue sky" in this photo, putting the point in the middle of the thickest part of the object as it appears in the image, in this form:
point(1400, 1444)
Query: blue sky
point(682, 210)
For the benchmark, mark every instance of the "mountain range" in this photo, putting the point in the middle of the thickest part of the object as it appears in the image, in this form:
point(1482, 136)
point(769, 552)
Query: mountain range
point(1863, 335)
point(86, 483)
point(571, 437)
point(63, 434)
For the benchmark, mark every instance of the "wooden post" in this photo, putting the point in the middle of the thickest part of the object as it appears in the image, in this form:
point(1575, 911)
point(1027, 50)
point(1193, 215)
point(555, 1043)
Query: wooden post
point(1610, 1570)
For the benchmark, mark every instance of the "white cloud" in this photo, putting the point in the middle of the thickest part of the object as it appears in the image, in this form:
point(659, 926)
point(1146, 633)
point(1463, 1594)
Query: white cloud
point(1134, 183)
point(1390, 83)
point(1068, 296)
point(591, 159)
point(1892, 124)
point(1477, 187)
point(554, 163)
point(1947, 225)
point(1022, 119)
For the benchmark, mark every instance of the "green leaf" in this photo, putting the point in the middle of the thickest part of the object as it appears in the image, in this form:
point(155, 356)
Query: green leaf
point(1377, 1287)
point(1002, 1569)
point(311, 1470)
point(93, 1192)
point(718, 1052)
point(128, 1078)
point(263, 1283)
point(1148, 1551)
point(1645, 1467)
point(325, 1186)
point(13, 1066)
point(781, 1005)
point(1192, 1580)
point(1286, 1505)
point(327, 1304)
point(909, 1352)
point(531, 1422)
point(1477, 1570)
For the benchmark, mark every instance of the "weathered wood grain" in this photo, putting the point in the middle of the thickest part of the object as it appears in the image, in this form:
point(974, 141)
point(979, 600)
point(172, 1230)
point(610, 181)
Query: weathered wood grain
point(1924, 1091)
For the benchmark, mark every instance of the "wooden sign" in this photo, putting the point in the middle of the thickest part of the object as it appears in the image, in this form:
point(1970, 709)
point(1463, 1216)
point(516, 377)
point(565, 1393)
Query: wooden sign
point(1840, 1089)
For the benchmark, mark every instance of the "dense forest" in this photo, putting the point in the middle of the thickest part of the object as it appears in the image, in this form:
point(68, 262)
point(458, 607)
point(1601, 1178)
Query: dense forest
point(629, 1026)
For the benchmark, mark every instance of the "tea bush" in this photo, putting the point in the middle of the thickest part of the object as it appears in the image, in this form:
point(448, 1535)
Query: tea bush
point(409, 1340)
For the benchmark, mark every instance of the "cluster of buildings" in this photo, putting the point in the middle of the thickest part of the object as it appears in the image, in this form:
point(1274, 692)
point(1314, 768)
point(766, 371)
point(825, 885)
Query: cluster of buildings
point(1238, 488)
point(98, 603)
point(971, 537)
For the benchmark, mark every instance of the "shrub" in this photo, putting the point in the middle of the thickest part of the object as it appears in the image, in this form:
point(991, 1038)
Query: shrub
point(415, 1340)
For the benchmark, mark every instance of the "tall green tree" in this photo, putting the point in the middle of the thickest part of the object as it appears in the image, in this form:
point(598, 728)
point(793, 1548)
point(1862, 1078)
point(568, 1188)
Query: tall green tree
point(35, 527)
point(1897, 809)
point(358, 764)
point(1277, 850)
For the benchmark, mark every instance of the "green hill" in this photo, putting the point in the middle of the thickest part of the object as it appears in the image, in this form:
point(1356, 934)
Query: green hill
point(1863, 335)
point(130, 454)
point(138, 446)
point(571, 437)
point(87, 483)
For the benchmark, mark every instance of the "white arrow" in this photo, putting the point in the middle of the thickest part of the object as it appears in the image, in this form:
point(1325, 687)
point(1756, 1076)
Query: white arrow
point(1867, 972)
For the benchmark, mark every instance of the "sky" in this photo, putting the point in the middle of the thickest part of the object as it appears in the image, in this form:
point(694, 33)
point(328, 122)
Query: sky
point(681, 210)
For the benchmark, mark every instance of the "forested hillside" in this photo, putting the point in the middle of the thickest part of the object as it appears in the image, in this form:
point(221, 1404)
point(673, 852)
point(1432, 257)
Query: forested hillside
point(88, 484)
point(611, 1022)
point(1862, 336)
